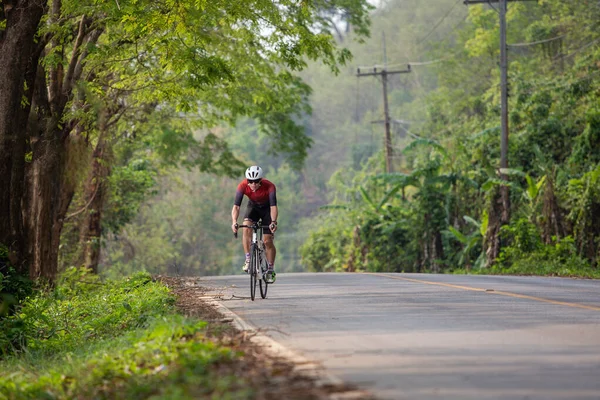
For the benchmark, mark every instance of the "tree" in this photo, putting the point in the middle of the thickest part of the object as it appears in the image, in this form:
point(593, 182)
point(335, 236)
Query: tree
point(19, 54)
point(219, 60)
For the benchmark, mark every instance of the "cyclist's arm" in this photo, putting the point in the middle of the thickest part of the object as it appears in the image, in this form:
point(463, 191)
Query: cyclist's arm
point(273, 208)
point(235, 213)
point(273, 224)
point(237, 202)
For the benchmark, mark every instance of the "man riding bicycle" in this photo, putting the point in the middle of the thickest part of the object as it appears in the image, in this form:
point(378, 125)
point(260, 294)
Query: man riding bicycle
point(262, 204)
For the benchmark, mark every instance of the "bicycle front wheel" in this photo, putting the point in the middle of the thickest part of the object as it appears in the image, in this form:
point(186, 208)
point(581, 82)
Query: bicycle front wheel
point(253, 271)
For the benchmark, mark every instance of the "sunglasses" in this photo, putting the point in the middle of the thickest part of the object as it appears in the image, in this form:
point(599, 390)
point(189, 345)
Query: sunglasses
point(254, 180)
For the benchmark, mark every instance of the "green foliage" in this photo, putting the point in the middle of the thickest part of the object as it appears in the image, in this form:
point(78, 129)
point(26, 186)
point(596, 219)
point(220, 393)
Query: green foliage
point(14, 287)
point(386, 244)
point(587, 146)
point(556, 259)
point(451, 165)
point(170, 358)
point(325, 249)
point(472, 242)
point(522, 235)
point(584, 201)
point(92, 339)
point(81, 308)
point(129, 185)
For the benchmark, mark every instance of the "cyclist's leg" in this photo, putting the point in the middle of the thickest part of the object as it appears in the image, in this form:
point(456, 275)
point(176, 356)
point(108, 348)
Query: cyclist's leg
point(246, 239)
point(249, 218)
point(271, 252)
point(270, 248)
point(247, 235)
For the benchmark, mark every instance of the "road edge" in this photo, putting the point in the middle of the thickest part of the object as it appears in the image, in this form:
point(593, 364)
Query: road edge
point(304, 366)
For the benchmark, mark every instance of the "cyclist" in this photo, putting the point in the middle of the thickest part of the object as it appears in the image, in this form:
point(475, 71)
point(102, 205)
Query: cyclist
point(262, 204)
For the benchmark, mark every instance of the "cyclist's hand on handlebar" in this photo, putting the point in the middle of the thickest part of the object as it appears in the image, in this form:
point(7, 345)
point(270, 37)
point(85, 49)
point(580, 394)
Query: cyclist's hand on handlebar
point(234, 227)
point(273, 227)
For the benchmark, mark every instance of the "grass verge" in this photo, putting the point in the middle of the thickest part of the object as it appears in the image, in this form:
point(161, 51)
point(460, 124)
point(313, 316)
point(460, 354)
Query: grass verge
point(136, 338)
point(115, 339)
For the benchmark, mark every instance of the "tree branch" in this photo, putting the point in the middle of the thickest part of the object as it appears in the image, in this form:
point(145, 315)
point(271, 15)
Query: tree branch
point(75, 59)
point(85, 207)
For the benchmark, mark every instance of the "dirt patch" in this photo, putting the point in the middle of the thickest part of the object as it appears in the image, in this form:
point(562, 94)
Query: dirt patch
point(275, 377)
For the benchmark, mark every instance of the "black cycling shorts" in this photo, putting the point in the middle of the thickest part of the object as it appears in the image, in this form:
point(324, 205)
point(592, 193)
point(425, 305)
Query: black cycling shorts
point(255, 212)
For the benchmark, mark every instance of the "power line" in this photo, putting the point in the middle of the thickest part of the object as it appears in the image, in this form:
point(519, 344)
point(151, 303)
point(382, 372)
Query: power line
point(555, 85)
point(438, 24)
point(418, 63)
point(576, 51)
point(538, 42)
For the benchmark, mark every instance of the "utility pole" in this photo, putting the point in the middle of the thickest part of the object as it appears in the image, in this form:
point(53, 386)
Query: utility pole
point(492, 236)
point(384, 75)
point(503, 78)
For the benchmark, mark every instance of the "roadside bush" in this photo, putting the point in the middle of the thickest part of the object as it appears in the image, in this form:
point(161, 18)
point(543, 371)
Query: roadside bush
point(14, 288)
point(387, 245)
point(168, 359)
point(325, 248)
point(93, 339)
point(557, 259)
point(82, 308)
point(522, 236)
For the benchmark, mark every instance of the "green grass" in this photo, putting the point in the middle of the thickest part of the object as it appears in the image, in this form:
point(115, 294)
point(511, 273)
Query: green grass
point(115, 339)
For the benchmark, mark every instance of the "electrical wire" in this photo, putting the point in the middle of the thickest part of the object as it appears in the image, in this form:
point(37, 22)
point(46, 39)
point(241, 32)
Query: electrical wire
point(438, 24)
point(538, 42)
point(418, 63)
point(575, 51)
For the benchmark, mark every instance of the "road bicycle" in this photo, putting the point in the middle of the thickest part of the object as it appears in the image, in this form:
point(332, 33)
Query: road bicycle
point(258, 260)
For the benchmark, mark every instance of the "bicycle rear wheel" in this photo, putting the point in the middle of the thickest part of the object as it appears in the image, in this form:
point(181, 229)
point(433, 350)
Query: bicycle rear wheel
point(263, 283)
point(253, 271)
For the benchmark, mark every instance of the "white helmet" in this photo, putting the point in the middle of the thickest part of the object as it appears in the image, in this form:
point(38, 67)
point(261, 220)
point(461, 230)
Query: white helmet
point(254, 172)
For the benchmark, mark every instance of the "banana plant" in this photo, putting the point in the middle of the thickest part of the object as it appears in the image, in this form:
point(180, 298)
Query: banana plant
point(533, 188)
point(471, 240)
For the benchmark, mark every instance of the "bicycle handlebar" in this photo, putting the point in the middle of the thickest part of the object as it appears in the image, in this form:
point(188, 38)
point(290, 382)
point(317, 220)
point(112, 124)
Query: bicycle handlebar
point(253, 226)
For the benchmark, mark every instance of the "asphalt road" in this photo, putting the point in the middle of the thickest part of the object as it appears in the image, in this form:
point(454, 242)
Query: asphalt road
point(412, 336)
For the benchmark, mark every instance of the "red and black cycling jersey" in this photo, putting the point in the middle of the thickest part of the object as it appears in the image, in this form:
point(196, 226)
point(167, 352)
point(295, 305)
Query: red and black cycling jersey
point(263, 196)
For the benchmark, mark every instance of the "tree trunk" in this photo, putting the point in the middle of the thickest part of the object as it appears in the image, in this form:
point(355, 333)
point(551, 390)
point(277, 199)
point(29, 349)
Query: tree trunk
point(438, 247)
point(553, 221)
point(498, 215)
point(18, 60)
point(50, 196)
point(51, 185)
point(94, 195)
point(424, 244)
